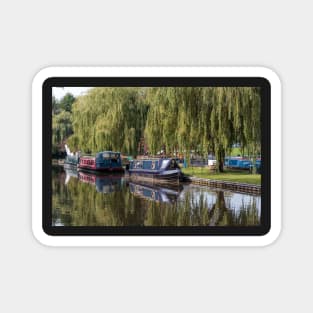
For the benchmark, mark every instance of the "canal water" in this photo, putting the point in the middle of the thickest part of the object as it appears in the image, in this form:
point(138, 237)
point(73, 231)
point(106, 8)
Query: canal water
point(83, 199)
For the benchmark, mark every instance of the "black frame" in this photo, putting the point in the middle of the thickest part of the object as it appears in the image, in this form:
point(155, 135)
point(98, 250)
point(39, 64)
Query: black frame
point(261, 230)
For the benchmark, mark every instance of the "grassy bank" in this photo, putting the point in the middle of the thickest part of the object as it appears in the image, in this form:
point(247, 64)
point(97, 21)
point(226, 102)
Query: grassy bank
point(236, 176)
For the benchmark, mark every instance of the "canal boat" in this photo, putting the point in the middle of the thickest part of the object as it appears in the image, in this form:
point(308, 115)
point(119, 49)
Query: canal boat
point(159, 169)
point(102, 161)
point(71, 159)
point(238, 163)
point(155, 193)
point(243, 163)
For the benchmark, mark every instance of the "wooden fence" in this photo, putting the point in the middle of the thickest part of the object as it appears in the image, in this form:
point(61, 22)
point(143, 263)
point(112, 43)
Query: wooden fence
point(234, 186)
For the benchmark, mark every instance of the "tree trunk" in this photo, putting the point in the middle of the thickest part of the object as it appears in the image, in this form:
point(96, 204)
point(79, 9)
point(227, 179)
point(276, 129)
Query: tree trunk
point(220, 160)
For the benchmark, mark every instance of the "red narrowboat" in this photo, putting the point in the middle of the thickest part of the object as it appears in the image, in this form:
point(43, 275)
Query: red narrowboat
point(102, 161)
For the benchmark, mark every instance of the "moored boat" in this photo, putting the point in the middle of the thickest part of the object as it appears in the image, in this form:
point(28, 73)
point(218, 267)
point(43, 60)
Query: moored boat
point(102, 161)
point(243, 163)
point(71, 159)
point(238, 163)
point(161, 170)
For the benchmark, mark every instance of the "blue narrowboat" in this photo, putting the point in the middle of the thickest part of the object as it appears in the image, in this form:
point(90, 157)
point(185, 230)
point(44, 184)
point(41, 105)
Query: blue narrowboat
point(102, 161)
point(162, 170)
point(238, 163)
point(154, 193)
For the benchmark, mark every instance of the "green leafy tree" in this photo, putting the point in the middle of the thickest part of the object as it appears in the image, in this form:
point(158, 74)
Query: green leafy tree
point(61, 129)
point(66, 102)
point(55, 105)
point(177, 119)
point(109, 119)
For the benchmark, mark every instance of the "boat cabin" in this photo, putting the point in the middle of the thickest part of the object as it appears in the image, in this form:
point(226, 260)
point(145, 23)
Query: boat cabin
point(154, 164)
point(159, 169)
point(238, 163)
point(105, 160)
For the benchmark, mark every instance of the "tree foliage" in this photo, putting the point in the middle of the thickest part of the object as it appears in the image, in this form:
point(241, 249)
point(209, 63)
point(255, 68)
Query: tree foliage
point(66, 102)
point(204, 119)
point(61, 129)
point(61, 121)
point(109, 119)
point(174, 119)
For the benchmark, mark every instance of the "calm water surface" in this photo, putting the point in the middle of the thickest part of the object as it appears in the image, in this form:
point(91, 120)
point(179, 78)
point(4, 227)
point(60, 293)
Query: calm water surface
point(83, 199)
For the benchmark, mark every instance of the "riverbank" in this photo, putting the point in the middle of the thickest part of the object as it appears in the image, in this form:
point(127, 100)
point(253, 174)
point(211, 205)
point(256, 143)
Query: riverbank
point(228, 175)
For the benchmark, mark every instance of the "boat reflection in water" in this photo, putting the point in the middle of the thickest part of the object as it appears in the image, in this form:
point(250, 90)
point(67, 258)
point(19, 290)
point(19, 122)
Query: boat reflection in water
point(165, 194)
point(70, 171)
point(104, 183)
point(88, 199)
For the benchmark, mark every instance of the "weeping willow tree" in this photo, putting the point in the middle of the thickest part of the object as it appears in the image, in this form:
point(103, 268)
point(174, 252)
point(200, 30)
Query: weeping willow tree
point(233, 116)
point(242, 106)
point(204, 119)
point(161, 125)
point(109, 119)
point(174, 119)
point(61, 121)
point(61, 129)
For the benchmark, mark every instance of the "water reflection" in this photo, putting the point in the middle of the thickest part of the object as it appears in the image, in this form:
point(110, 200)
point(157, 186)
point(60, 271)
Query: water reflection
point(84, 199)
point(165, 194)
point(104, 183)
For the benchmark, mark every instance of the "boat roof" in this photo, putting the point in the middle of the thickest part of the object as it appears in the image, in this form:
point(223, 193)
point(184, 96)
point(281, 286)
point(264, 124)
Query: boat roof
point(153, 159)
point(108, 152)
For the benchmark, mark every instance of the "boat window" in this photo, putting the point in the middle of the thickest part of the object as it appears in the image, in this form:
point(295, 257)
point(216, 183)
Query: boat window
point(114, 157)
point(106, 155)
point(173, 164)
point(165, 164)
point(138, 164)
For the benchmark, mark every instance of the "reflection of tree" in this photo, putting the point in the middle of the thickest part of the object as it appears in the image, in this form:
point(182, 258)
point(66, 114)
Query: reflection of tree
point(86, 206)
point(218, 209)
point(221, 215)
point(248, 215)
point(79, 204)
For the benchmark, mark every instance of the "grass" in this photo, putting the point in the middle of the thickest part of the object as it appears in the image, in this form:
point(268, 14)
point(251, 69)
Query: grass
point(235, 152)
point(228, 175)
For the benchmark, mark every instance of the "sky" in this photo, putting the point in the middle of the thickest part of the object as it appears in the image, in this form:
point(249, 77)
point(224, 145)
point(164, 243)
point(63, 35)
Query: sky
point(59, 92)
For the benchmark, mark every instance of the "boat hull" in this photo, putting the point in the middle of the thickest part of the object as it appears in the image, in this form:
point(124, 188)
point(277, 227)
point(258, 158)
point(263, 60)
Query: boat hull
point(70, 165)
point(100, 169)
point(172, 176)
